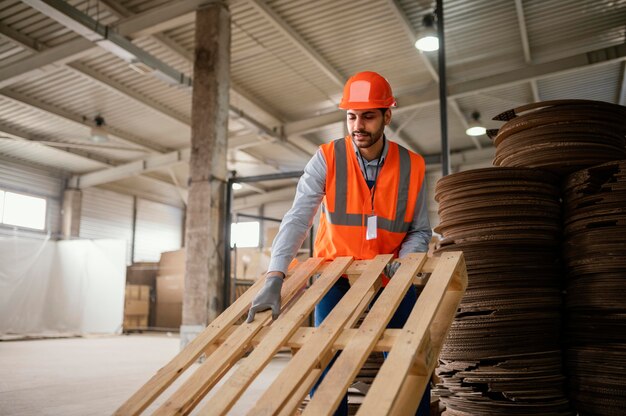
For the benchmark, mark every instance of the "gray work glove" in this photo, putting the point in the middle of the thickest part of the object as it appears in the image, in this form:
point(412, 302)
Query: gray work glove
point(392, 268)
point(267, 298)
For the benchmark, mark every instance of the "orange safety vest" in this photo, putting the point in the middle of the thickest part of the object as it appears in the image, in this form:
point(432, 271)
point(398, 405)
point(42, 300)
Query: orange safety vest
point(347, 203)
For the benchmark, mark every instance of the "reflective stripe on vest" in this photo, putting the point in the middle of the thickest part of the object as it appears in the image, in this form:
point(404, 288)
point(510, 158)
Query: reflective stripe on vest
point(341, 217)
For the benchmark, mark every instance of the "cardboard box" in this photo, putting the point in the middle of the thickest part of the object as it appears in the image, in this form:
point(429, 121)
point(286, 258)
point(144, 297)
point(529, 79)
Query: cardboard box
point(251, 263)
point(143, 273)
point(136, 307)
point(170, 288)
point(169, 315)
point(137, 292)
point(172, 262)
point(135, 322)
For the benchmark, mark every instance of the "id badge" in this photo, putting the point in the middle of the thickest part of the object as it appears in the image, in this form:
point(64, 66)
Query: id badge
point(371, 227)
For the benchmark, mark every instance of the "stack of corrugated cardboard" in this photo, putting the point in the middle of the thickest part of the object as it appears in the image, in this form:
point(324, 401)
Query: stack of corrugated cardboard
point(169, 289)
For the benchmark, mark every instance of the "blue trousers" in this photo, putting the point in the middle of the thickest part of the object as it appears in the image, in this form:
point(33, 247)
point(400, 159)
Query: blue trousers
point(398, 320)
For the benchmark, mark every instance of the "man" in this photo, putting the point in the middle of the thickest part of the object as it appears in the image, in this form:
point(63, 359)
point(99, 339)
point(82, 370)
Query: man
point(373, 198)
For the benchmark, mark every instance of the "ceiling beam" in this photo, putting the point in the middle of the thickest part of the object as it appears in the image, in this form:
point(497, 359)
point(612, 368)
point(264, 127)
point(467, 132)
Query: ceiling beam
point(98, 161)
point(170, 15)
point(31, 66)
point(126, 170)
point(294, 37)
point(521, 20)
point(252, 201)
point(429, 95)
point(400, 138)
point(19, 38)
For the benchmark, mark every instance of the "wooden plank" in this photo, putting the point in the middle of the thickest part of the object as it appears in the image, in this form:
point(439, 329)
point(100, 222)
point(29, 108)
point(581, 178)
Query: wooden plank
point(296, 398)
point(142, 398)
point(303, 334)
point(358, 266)
point(347, 366)
point(408, 398)
point(320, 343)
point(448, 276)
point(197, 385)
point(281, 330)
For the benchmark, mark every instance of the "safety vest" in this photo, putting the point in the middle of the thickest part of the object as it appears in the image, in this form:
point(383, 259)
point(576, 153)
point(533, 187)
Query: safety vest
point(348, 203)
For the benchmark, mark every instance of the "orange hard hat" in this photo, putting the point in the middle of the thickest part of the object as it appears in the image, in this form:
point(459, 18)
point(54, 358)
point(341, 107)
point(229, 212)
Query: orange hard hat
point(367, 90)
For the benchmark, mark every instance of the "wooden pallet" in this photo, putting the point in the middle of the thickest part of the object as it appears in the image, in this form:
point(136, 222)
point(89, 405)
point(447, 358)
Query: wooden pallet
point(396, 390)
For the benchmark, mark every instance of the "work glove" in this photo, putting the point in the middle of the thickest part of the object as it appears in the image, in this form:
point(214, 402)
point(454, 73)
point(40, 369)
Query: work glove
point(267, 298)
point(392, 268)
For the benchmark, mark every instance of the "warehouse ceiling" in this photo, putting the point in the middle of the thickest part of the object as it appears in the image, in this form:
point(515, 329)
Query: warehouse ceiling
point(289, 60)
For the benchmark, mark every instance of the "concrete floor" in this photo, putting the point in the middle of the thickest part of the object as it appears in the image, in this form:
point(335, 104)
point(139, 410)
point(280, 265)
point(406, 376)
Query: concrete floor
point(93, 375)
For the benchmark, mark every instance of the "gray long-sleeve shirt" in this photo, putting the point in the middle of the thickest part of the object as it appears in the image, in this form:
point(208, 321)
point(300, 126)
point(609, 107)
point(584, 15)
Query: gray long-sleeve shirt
point(309, 194)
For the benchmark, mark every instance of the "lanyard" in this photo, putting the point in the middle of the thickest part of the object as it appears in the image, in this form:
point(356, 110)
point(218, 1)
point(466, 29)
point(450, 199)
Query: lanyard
point(373, 187)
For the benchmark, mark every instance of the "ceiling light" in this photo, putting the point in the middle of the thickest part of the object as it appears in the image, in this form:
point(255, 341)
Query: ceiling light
point(98, 133)
point(237, 186)
point(428, 40)
point(475, 127)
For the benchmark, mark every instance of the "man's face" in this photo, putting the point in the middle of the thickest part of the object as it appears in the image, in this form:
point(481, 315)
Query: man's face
point(367, 126)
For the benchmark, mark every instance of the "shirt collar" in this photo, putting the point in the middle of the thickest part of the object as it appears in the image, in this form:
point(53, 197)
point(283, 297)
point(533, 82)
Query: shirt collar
point(383, 155)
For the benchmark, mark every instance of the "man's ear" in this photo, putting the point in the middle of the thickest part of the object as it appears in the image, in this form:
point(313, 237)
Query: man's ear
point(388, 117)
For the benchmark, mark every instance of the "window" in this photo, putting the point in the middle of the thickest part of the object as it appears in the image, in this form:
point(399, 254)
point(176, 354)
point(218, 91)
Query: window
point(244, 234)
point(22, 210)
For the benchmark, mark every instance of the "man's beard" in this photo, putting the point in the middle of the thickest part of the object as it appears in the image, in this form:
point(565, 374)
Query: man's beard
point(374, 137)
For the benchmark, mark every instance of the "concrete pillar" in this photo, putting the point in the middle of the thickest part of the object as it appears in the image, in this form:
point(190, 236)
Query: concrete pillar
point(70, 213)
point(203, 298)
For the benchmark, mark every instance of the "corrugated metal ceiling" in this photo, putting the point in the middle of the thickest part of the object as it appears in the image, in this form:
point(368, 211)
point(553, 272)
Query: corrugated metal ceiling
point(278, 78)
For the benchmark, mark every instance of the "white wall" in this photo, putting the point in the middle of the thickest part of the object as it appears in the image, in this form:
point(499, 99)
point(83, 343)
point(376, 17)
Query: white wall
point(106, 214)
point(158, 228)
point(149, 228)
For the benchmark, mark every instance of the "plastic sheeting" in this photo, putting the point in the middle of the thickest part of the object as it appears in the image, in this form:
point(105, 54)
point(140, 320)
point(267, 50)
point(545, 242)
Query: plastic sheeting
point(49, 287)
